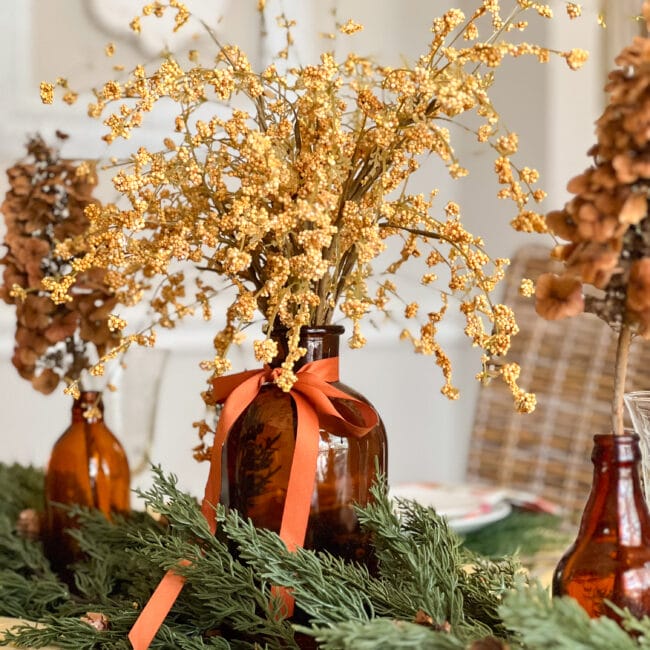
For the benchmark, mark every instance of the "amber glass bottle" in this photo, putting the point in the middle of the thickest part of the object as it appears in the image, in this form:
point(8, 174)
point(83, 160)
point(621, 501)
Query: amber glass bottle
point(610, 559)
point(258, 453)
point(88, 467)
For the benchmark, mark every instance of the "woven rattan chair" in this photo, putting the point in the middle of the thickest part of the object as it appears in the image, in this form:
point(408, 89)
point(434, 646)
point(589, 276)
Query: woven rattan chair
point(569, 365)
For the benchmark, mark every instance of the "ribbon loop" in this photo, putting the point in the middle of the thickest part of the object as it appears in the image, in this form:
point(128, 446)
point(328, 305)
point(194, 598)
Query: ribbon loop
point(313, 396)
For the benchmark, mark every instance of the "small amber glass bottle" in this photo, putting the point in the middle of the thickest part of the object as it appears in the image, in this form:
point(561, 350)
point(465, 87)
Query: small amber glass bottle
point(258, 453)
point(610, 559)
point(87, 467)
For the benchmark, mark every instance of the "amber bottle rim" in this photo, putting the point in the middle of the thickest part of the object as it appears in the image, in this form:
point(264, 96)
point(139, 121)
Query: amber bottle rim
point(620, 448)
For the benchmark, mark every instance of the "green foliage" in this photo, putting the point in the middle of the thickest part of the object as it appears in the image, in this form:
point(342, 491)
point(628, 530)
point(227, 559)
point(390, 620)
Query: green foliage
point(67, 633)
point(325, 587)
point(29, 597)
point(521, 532)
point(221, 593)
point(112, 566)
point(561, 624)
point(384, 634)
point(421, 555)
point(28, 587)
point(430, 590)
point(22, 487)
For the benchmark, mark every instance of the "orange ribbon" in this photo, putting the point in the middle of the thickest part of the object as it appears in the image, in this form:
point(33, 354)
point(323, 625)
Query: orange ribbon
point(312, 394)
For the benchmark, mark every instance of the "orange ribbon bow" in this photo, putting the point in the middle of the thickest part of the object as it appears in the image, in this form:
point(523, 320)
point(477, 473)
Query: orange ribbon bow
point(312, 394)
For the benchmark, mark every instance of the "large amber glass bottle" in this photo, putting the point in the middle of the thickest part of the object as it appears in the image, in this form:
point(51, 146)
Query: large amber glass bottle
point(87, 467)
point(610, 559)
point(258, 453)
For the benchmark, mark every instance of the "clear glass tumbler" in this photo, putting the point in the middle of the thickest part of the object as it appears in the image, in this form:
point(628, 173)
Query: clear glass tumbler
point(638, 406)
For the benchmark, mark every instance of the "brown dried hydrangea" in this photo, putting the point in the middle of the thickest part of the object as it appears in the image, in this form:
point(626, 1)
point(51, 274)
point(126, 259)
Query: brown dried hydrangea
point(606, 224)
point(295, 185)
point(44, 206)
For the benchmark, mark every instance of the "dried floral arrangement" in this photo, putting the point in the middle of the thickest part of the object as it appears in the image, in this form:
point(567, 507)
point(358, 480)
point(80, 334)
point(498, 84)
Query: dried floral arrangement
point(293, 187)
point(45, 205)
point(605, 225)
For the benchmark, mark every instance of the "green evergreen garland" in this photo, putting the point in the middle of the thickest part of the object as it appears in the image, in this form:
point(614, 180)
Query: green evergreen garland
point(431, 591)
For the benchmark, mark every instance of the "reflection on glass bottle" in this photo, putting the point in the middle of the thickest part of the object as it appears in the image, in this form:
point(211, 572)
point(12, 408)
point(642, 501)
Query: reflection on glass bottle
point(610, 559)
point(87, 467)
point(638, 406)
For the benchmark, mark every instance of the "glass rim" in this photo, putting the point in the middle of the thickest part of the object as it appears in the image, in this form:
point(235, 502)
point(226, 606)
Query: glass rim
point(640, 394)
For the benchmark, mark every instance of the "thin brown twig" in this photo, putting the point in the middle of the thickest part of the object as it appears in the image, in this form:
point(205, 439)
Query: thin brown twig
point(622, 355)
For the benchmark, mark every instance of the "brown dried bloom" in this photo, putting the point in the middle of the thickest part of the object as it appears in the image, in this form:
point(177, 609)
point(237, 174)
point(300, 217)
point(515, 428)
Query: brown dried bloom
point(558, 296)
point(44, 205)
point(290, 191)
point(638, 286)
point(607, 223)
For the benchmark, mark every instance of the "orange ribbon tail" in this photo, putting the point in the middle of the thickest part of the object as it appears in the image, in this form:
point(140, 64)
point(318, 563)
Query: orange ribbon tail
point(155, 611)
point(312, 394)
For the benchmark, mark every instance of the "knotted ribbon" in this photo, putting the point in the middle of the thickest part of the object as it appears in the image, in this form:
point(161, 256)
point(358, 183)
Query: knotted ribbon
point(312, 394)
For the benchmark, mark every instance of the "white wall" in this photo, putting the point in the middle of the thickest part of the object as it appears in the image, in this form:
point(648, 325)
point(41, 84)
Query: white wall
point(552, 109)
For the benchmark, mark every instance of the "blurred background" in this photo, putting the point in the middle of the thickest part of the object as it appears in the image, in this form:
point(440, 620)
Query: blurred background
point(551, 108)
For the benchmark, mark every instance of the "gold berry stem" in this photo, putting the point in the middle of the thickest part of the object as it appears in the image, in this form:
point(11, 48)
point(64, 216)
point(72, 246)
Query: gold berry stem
point(622, 355)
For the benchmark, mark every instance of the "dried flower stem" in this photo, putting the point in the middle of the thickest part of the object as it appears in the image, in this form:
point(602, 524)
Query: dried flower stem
point(622, 356)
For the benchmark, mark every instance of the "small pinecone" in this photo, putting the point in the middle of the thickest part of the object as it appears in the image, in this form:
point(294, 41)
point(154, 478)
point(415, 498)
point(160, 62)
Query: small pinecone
point(28, 524)
point(422, 618)
point(97, 620)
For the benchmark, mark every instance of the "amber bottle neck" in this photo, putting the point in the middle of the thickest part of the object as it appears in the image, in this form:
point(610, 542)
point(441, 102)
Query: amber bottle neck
point(88, 407)
point(616, 500)
point(616, 458)
point(319, 342)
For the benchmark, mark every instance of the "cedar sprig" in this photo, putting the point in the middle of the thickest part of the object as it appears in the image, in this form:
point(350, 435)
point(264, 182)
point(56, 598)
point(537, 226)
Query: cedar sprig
point(227, 601)
point(22, 487)
point(177, 507)
point(420, 554)
point(221, 591)
point(30, 597)
point(17, 553)
point(67, 634)
point(545, 623)
point(325, 587)
point(113, 567)
point(28, 587)
point(400, 537)
point(383, 633)
point(485, 586)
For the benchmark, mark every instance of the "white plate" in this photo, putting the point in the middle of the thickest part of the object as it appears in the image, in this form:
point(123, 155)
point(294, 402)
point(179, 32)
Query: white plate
point(470, 523)
point(451, 500)
point(466, 507)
